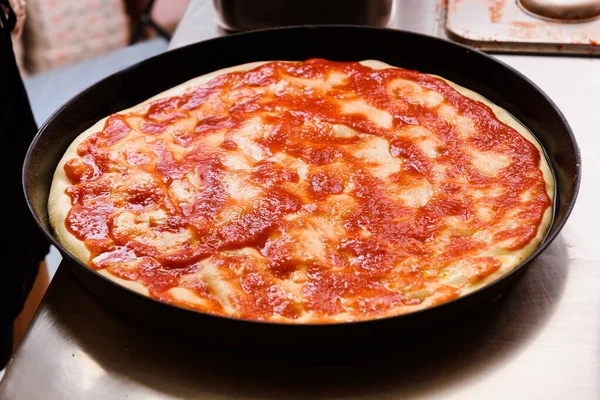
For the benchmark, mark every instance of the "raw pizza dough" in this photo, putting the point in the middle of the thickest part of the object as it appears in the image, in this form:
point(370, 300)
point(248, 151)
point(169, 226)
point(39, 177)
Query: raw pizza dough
point(339, 220)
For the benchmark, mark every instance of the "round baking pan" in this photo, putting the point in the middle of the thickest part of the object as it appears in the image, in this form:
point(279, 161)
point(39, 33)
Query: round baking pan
point(467, 67)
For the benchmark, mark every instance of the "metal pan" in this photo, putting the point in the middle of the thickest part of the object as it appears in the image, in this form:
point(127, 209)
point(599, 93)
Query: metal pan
point(470, 68)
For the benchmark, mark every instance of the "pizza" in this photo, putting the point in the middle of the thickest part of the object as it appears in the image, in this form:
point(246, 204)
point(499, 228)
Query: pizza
point(305, 192)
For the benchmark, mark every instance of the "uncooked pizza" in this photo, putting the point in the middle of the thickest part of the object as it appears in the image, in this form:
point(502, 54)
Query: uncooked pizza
point(305, 192)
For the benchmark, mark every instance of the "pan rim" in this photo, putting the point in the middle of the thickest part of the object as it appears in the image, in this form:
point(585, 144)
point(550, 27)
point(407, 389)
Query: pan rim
point(548, 239)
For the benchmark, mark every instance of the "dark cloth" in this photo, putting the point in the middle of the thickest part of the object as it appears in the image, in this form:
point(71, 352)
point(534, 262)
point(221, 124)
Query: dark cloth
point(22, 246)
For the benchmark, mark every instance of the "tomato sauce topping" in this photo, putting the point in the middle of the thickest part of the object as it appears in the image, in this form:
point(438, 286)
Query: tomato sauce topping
point(312, 191)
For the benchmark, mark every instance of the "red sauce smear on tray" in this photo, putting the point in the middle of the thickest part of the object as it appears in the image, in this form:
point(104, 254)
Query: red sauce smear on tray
point(381, 254)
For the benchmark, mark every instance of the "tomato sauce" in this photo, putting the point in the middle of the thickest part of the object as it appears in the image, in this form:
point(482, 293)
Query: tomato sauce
point(383, 249)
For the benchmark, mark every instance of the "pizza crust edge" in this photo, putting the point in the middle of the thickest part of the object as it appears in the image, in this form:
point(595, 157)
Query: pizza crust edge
point(59, 203)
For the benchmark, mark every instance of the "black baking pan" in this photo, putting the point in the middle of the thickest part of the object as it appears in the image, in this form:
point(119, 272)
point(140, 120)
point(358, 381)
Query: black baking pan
point(470, 68)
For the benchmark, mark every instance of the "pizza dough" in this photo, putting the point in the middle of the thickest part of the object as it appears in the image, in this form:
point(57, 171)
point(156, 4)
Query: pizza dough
point(305, 192)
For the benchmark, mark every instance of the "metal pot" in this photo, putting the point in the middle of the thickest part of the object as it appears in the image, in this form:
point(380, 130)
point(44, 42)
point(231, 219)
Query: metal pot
point(240, 15)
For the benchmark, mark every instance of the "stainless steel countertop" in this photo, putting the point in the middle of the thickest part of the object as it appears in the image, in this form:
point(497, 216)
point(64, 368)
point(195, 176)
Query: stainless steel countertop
point(541, 341)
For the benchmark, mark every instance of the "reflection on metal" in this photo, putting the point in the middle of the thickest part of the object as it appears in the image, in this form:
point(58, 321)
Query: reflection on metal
point(90, 373)
point(524, 26)
point(563, 9)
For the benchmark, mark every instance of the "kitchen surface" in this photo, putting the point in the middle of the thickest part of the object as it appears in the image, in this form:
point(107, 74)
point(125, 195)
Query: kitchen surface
point(541, 340)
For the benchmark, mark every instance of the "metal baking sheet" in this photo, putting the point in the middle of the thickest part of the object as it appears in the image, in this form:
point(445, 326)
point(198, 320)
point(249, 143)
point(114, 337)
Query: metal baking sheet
point(503, 25)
